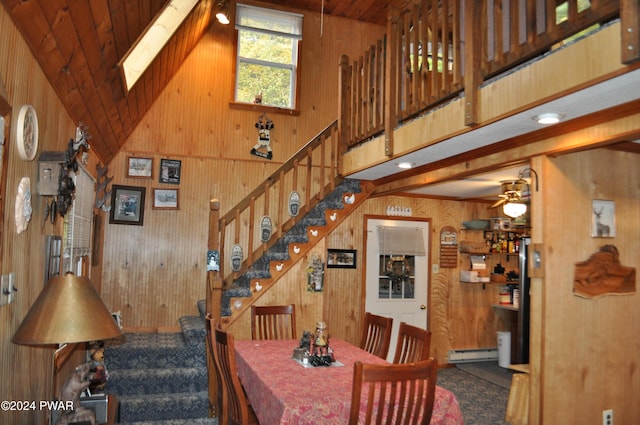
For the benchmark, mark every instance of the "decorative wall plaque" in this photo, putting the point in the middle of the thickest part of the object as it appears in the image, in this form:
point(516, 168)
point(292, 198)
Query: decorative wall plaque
point(448, 247)
point(602, 274)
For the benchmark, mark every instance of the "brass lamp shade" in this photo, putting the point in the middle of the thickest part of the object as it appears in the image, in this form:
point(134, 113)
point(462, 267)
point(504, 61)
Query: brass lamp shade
point(68, 310)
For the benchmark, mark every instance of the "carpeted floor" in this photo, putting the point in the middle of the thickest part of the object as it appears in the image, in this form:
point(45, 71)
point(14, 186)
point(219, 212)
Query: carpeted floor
point(482, 390)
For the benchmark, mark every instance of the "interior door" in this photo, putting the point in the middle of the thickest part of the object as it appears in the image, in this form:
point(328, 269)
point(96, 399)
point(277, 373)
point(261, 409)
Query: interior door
point(397, 271)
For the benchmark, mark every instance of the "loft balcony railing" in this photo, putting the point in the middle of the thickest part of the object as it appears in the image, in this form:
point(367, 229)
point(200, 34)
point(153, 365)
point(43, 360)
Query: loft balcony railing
point(439, 49)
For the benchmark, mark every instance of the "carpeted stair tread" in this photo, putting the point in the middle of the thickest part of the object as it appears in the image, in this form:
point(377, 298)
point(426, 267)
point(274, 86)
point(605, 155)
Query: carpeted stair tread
point(193, 329)
point(156, 381)
point(192, 421)
point(154, 407)
point(153, 350)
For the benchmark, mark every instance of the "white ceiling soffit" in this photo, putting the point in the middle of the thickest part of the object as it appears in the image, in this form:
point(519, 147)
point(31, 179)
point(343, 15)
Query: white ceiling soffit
point(616, 91)
point(482, 186)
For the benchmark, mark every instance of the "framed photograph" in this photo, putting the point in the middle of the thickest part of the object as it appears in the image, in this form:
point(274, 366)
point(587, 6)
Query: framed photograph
point(165, 199)
point(341, 258)
point(603, 223)
point(170, 171)
point(127, 205)
point(140, 168)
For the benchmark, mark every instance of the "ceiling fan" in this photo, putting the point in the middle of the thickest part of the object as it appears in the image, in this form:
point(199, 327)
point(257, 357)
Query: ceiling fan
point(512, 191)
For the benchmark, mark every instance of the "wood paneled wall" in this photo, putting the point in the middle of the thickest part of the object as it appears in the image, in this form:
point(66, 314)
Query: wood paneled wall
point(27, 371)
point(585, 352)
point(460, 315)
point(155, 273)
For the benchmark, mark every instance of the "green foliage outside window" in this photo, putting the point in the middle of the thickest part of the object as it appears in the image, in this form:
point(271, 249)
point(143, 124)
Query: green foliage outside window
point(267, 56)
point(265, 65)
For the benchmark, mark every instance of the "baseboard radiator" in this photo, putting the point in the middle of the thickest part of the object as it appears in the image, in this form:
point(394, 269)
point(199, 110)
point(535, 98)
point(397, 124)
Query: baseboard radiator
point(473, 355)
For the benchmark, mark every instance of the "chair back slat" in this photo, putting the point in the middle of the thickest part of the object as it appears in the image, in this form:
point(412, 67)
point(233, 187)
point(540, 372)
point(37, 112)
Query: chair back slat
point(393, 393)
point(376, 334)
point(413, 344)
point(273, 322)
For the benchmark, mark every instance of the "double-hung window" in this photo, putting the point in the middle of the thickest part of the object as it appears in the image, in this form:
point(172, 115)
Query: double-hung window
point(267, 56)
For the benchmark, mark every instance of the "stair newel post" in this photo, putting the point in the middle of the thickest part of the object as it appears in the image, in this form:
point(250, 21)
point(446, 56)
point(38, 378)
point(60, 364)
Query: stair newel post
point(214, 280)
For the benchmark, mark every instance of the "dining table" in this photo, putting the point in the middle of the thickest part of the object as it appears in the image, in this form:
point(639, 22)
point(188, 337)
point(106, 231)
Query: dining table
point(284, 390)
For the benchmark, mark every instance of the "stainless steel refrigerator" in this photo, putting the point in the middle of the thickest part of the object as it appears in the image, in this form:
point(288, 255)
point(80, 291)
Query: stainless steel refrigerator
point(520, 341)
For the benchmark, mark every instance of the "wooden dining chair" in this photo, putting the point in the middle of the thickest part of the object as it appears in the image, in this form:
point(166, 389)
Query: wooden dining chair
point(413, 344)
point(393, 393)
point(236, 409)
point(273, 322)
point(376, 334)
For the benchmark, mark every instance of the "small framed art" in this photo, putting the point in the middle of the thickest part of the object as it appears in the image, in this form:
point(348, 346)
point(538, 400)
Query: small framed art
point(170, 171)
point(165, 199)
point(603, 223)
point(127, 205)
point(341, 258)
point(140, 168)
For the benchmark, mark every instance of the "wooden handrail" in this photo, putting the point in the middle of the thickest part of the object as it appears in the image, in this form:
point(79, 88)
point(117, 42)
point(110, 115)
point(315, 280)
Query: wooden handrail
point(418, 73)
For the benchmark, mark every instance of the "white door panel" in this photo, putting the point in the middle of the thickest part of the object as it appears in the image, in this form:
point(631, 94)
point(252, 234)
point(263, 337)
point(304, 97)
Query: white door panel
point(388, 290)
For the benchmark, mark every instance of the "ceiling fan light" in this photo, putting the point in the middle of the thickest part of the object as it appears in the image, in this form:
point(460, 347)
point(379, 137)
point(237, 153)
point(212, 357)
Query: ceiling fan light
point(548, 118)
point(514, 209)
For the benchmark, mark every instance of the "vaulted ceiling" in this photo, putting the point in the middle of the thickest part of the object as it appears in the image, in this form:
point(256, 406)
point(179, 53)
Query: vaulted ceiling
point(78, 45)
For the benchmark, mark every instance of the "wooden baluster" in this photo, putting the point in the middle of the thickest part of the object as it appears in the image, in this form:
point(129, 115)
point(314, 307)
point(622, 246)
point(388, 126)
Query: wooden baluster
point(344, 106)
point(323, 164)
point(267, 188)
point(309, 183)
point(236, 239)
point(282, 203)
point(252, 221)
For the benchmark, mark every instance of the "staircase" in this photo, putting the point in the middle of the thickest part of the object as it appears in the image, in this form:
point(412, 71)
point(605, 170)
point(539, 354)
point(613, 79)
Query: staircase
point(295, 243)
point(161, 378)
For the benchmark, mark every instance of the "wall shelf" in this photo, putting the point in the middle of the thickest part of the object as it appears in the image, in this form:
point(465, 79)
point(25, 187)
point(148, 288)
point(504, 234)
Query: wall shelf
point(510, 307)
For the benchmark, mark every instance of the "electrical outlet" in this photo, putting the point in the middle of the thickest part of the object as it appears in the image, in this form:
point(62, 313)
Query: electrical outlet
point(4, 290)
point(607, 417)
point(12, 288)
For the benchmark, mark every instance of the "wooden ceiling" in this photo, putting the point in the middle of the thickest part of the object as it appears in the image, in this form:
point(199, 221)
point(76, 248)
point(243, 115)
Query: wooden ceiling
point(78, 45)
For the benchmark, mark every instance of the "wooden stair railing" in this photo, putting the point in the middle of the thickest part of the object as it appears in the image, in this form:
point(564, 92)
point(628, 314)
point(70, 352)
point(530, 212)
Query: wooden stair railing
point(312, 172)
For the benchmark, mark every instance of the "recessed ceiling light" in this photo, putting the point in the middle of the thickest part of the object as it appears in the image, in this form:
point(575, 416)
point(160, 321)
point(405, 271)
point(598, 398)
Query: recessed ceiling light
point(548, 118)
point(405, 165)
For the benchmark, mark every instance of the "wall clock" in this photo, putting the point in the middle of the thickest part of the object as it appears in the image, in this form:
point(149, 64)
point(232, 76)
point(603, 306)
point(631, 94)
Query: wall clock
point(27, 133)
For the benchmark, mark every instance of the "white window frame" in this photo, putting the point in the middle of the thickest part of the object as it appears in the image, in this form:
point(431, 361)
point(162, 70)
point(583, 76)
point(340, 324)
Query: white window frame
point(269, 15)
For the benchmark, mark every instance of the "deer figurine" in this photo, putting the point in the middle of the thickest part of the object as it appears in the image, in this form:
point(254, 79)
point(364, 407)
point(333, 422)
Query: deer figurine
point(602, 230)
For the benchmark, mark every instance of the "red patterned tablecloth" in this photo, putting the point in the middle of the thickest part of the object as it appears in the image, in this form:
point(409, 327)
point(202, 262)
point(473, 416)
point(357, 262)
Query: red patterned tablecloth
point(282, 391)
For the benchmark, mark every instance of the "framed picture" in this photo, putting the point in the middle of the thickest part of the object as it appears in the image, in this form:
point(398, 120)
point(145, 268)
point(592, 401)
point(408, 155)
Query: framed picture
point(341, 258)
point(127, 205)
point(603, 223)
point(170, 171)
point(140, 168)
point(165, 199)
